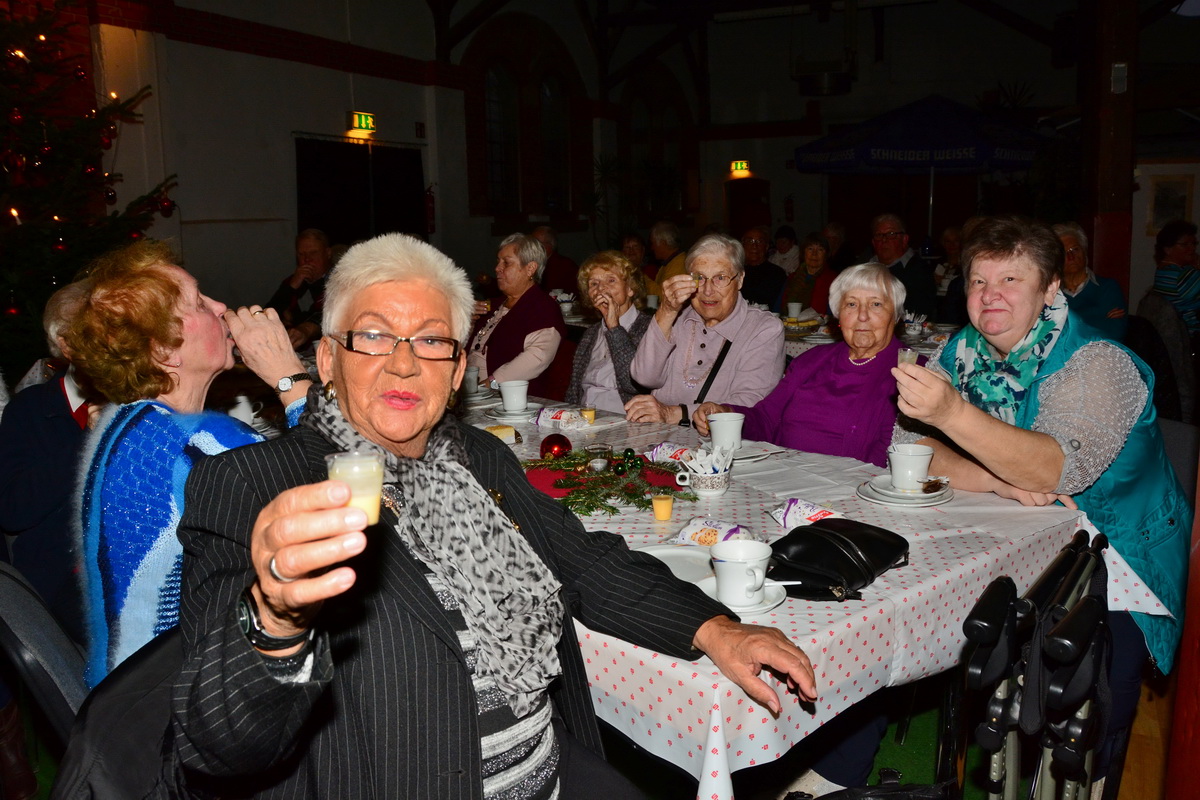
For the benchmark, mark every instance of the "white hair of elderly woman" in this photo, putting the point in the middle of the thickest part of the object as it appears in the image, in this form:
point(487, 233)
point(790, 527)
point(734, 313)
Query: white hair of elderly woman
point(718, 245)
point(528, 249)
point(398, 257)
point(867, 276)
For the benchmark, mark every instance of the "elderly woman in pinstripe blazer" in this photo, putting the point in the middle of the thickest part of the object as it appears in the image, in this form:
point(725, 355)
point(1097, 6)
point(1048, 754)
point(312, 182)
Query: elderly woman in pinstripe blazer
point(430, 654)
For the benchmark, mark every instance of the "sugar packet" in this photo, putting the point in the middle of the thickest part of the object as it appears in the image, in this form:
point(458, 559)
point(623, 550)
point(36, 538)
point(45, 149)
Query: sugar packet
point(796, 512)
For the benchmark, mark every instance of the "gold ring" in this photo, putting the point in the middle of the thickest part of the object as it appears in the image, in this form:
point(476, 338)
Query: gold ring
point(260, 311)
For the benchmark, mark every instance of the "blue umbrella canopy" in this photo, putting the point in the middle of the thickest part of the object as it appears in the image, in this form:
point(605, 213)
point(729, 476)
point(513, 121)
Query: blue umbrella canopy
point(930, 134)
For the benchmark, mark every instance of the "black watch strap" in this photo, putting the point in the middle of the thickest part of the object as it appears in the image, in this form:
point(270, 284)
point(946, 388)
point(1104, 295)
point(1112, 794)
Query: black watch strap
point(251, 624)
point(684, 420)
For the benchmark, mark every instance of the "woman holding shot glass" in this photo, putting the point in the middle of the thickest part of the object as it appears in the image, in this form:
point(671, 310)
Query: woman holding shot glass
point(1029, 405)
point(600, 377)
point(150, 342)
point(431, 654)
point(840, 398)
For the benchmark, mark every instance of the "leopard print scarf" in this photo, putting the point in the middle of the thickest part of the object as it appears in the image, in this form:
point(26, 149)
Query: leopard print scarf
point(510, 600)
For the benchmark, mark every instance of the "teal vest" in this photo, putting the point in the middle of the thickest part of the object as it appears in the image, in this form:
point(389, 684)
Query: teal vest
point(1137, 502)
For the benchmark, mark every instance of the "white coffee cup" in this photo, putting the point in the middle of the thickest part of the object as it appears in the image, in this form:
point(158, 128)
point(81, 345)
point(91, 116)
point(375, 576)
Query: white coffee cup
point(741, 568)
point(514, 394)
point(726, 429)
point(244, 410)
point(794, 310)
point(909, 465)
point(651, 301)
point(704, 484)
point(470, 382)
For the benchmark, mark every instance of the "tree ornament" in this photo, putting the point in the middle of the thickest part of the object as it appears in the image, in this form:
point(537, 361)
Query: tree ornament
point(166, 207)
point(110, 195)
point(80, 73)
point(15, 116)
point(618, 468)
point(629, 454)
point(555, 446)
point(59, 246)
point(136, 235)
point(105, 142)
point(89, 169)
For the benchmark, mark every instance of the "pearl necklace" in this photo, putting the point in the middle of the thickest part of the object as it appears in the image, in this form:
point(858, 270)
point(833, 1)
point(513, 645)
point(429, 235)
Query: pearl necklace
point(862, 363)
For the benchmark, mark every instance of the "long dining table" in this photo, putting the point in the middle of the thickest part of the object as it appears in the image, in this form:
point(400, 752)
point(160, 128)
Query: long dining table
point(908, 624)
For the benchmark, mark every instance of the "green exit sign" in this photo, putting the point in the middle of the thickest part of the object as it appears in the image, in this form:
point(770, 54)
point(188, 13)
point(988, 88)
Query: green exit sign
point(360, 121)
point(739, 166)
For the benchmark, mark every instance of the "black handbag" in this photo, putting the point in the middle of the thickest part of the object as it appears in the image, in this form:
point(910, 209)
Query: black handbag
point(834, 558)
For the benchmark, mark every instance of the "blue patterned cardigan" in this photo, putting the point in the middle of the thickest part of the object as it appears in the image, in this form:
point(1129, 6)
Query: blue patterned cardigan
point(130, 500)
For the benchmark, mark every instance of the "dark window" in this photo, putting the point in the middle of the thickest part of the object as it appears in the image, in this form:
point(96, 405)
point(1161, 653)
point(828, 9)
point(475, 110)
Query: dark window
point(555, 131)
point(503, 149)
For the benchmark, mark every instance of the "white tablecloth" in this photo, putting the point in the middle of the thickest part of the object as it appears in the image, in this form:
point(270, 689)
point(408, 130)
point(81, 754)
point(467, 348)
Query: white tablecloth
point(907, 626)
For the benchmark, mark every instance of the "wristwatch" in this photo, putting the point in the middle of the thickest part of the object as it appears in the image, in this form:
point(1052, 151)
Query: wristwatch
point(288, 381)
point(684, 421)
point(251, 625)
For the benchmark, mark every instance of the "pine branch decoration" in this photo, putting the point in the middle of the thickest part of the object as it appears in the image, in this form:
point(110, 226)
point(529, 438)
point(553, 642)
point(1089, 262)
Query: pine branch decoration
point(602, 492)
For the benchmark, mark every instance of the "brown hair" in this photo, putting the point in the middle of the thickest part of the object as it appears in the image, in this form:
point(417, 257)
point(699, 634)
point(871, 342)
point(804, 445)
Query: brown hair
point(1013, 237)
point(615, 262)
point(126, 320)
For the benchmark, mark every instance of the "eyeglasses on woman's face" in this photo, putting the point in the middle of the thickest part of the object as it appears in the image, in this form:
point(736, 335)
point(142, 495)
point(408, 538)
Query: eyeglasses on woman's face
point(378, 343)
point(719, 281)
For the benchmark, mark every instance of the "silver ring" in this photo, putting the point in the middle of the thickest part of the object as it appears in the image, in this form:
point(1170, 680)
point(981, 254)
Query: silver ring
point(275, 573)
point(260, 311)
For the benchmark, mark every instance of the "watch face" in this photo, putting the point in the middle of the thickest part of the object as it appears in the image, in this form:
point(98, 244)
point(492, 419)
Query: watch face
point(243, 616)
point(285, 384)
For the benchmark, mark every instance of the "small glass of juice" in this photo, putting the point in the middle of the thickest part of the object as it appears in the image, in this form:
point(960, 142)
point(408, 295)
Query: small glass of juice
point(362, 471)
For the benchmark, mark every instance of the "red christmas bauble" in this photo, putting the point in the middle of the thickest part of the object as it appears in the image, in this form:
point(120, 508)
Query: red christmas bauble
point(89, 169)
point(555, 446)
point(105, 142)
point(166, 207)
point(135, 235)
point(80, 73)
point(59, 246)
point(16, 117)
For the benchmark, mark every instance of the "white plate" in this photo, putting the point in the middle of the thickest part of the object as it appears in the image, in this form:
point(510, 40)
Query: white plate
point(573, 320)
point(773, 597)
point(689, 562)
point(882, 484)
point(480, 397)
point(754, 451)
point(920, 501)
point(508, 416)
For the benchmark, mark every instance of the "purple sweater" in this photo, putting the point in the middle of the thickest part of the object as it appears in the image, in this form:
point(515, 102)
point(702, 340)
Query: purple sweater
point(825, 404)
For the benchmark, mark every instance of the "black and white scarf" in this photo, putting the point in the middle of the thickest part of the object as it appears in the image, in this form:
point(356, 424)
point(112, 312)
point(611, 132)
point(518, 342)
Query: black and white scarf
point(510, 600)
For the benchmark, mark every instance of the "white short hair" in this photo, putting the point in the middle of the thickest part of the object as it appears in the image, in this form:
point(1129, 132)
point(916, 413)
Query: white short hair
point(397, 257)
point(720, 246)
point(867, 276)
point(528, 249)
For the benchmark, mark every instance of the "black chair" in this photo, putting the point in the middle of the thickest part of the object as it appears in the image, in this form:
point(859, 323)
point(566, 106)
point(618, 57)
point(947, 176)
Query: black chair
point(47, 661)
point(1182, 443)
point(1178, 342)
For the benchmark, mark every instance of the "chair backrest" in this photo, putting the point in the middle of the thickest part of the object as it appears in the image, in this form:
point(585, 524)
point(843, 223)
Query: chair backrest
point(45, 658)
point(1175, 336)
point(1142, 338)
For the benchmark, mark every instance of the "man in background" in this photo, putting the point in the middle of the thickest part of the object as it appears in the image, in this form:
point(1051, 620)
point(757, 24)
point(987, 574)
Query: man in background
point(314, 259)
point(561, 272)
point(889, 238)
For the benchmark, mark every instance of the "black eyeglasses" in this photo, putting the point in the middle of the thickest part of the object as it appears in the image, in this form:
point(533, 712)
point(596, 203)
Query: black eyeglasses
point(377, 343)
point(879, 237)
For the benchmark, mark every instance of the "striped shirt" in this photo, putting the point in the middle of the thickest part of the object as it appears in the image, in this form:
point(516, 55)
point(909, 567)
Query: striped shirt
point(1181, 285)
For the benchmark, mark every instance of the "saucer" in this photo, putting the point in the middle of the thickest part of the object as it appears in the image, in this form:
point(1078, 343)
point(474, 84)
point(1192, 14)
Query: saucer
point(774, 596)
point(868, 493)
point(882, 484)
point(689, 562)
point(750, 452)
point(507, 416)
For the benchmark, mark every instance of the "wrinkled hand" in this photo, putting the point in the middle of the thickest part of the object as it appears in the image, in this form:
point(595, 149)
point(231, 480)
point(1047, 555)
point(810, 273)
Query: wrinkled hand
point(608, 309)
point(482, 308)
point(308, 530)
point(264, 343)
point(646, 408)
point(1027, 498)
point(925, 395)
point(677, 292)
point(700, 416)
point(741, 652)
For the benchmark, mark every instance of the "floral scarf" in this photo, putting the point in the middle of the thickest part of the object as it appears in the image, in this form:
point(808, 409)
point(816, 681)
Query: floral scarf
point(510, 600)
point(998, 385)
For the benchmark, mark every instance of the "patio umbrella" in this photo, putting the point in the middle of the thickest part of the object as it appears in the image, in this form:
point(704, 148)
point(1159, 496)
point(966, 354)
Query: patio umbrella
point(930, 135)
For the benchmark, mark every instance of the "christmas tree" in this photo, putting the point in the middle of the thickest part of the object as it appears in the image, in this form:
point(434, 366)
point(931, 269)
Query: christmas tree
point(54, 191)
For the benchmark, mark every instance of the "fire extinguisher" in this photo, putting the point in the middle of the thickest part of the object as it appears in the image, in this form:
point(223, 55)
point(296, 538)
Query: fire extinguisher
point(789, 208)
point(430, 210)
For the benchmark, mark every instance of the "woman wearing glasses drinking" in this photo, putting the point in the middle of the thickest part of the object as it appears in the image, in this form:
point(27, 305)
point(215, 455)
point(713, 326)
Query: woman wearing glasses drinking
point(706, 342)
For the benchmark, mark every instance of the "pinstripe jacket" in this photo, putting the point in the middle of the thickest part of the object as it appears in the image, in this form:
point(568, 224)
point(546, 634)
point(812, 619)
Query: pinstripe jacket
point(389, 711)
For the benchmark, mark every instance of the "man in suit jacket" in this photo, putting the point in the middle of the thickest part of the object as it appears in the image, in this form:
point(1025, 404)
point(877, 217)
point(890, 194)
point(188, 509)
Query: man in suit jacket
point(889, 237)
point(389, 709)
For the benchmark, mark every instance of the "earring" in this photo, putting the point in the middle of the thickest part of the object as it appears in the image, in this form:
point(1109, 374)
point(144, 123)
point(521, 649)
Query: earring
point(452, 400)
point(330, 392)
point(172, 366)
